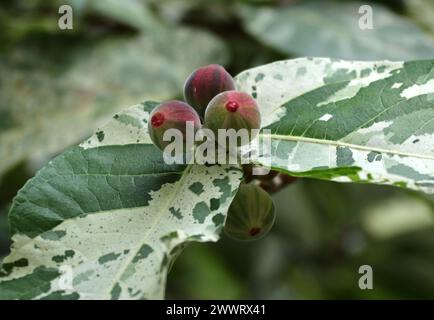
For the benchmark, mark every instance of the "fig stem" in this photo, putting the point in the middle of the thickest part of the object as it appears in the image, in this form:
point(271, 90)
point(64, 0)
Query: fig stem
point(273, 182)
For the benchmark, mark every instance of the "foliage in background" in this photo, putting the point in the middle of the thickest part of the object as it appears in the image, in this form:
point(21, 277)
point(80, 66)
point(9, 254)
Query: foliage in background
point(331, 29)
point(316, 248)
point(53, 82)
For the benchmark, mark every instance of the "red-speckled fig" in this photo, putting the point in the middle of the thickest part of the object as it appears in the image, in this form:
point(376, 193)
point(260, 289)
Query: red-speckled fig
point(204, 84)
point(251, 214)
point(233, 110)
point(168, 115)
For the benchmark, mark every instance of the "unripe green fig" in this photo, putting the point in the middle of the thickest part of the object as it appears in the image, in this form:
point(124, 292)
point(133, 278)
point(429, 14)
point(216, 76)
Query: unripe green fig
point(171, 115)
point(233, 110)
point(251, 214)
point(204, 84)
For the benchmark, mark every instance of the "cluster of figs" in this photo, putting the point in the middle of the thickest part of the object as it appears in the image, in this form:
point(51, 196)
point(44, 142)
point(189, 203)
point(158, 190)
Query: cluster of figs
point(211, 97)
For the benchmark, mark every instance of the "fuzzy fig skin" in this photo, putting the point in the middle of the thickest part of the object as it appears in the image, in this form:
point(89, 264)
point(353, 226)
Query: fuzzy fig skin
point(204, 84)
point(251, 214)
point(168, 115)
point(232, 110)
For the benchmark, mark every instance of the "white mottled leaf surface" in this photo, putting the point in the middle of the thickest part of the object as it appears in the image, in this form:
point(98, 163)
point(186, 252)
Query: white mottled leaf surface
point(113, 216)
point(348, 121)
point(106, 219)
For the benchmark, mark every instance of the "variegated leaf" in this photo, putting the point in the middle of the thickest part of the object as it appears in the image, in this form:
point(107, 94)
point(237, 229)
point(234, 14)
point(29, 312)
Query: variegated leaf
point(110, 216)
point(348, 121)
point(106, 219)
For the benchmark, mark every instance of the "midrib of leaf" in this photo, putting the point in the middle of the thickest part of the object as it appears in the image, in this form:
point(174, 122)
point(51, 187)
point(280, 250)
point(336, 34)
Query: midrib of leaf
point(157, 219)
point(345, 144)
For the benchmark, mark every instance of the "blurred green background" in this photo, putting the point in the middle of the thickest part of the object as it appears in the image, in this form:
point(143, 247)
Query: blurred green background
point(57, 86)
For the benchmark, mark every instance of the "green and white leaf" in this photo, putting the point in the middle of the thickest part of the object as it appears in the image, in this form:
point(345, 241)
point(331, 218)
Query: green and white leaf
point(331, 29)
point(113, 216)
point(46, 107)
point(348, 121)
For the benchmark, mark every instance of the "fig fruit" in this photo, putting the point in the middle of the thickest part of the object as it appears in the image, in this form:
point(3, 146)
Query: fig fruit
point(204, 84)
point(233, 110)
point(171, 115)
point(251, 214)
